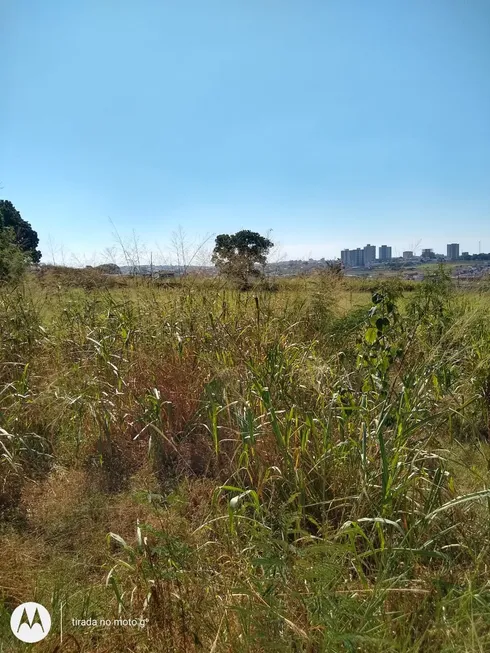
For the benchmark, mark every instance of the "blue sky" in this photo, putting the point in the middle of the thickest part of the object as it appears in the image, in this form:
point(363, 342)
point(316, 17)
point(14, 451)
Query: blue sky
point(332, 122)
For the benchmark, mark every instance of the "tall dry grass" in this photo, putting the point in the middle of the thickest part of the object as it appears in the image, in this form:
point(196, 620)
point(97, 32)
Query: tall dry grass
point(298, 470)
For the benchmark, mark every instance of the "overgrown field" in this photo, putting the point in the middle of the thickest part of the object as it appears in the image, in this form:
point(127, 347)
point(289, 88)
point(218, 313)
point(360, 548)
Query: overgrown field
point(302, 468)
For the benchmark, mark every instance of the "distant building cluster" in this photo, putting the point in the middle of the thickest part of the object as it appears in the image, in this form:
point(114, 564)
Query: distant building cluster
point(360, 257)
point(366, 256)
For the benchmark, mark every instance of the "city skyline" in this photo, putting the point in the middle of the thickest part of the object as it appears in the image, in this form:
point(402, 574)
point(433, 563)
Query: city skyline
point(366, 255)
point(419, 250)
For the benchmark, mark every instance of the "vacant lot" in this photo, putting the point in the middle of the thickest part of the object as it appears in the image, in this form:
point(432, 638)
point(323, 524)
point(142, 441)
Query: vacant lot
point(296, 468)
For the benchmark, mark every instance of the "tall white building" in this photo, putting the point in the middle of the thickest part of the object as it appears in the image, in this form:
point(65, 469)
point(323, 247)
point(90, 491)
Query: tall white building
point(369, 254)
point(453, 252)
point(384, 253)
point(352, 258)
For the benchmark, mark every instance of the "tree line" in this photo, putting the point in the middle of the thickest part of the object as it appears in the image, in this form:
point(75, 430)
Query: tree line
point(241, 256)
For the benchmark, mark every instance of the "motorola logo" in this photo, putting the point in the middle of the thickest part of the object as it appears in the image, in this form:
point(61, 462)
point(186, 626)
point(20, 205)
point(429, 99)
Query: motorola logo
point(30, 622)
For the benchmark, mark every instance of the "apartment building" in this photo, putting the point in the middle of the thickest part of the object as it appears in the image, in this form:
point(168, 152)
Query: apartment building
point(453, 252)
point(384, 253)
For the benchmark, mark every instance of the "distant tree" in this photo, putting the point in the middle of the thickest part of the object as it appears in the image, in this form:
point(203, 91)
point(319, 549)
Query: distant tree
point(238, 255)
point(334, 268)
point(24, 235)
point(108, 268)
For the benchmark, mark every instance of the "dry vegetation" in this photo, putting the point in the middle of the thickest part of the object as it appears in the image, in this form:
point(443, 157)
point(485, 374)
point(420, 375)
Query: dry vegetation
point(298, 470)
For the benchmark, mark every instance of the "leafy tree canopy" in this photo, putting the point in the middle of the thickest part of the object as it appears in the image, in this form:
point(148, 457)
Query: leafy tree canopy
point(237, 255)
point(13, 261)
point(108, 268)
point(24, 235)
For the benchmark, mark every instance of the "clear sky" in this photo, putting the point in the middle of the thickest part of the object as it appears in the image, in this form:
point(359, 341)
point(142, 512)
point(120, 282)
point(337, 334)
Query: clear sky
point(332, 122)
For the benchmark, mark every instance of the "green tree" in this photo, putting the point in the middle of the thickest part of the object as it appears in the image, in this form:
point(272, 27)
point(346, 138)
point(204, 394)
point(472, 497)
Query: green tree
point(239, 255)
point(13, 261)
point(108, 268)
point(24, 235)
